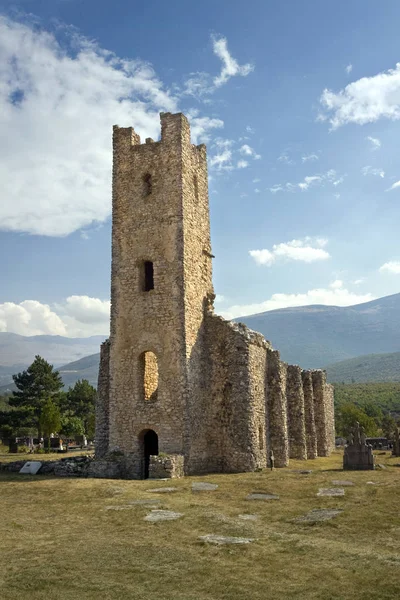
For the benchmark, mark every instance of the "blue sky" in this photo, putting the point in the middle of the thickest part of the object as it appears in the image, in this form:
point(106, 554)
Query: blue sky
point(298, 103)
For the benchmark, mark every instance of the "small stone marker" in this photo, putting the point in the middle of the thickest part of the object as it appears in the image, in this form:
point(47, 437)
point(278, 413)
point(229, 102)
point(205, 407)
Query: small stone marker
point(372, 483)
point(164, 490)
point(31, 467)
point(118, 507)
point(330, 492)
point(220, 539)
point(342, 483)
point(202, 486)
point(318, 515)
point(145, 502)
point(248, 517)
point(162, 515)
point(262, 496)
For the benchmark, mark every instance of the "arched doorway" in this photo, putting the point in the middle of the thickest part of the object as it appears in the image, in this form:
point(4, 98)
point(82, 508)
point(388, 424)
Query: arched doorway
point(150, 448)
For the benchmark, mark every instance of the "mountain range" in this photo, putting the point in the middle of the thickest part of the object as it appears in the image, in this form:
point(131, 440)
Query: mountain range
point(311, 336)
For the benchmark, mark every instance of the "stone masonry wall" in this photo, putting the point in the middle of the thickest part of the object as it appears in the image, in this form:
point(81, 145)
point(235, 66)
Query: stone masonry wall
point(276, 414)
point(320, 413)
point(295, 413)
point(311, 436)
point(169, 466)
point(102, 401)
point(330, 416)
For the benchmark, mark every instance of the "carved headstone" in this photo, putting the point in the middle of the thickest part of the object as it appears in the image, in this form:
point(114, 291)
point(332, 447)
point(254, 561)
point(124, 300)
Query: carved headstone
point(357, 453)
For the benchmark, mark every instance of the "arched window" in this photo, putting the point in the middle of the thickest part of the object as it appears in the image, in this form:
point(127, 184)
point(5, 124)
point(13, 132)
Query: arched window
point(146, 276)
point(150, 375)
point(147, 185)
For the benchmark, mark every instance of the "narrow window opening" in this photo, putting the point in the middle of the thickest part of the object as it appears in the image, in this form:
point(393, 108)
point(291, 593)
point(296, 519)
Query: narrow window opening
point(150, 376)
point(196, 187)
point(147, 184)
point(148, 276)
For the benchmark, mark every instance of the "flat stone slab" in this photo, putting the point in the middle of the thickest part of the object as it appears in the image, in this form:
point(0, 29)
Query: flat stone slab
point(120, 507)
point(372, 483)
point(203, 486)
point(261, 496)
point(318, 515)
point(31, 467)
point(164, 490)
point(220, 539)
point(339, 482)
point(145, 502)
point(162, 515)
point(330, 492)
point(248, 517)
point(302, 471)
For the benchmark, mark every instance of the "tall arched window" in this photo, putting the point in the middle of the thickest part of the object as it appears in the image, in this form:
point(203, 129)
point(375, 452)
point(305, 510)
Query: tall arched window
point(150, 375)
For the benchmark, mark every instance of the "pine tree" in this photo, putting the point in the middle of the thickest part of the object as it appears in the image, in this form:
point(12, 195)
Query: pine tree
point(50, 419)
point(36, 386)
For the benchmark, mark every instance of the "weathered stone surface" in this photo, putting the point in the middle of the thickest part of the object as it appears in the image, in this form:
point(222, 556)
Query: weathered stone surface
point(220, 539)
point(358, 454)
point(295, 413)
point(119, 507)
point(209, 391)
point(164, 490)
point(341, 483)
point(318, 515)
point(203, 486)
point(262, 496)
point(144, 502)
point(330, 492)
point(309, 420)
point(162, 515)
point(248, 517)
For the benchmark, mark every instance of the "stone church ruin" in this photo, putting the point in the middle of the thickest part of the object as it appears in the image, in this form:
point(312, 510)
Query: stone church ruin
point(181, 390)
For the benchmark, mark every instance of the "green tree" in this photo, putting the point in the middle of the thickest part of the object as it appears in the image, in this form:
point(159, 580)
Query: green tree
point(80, 402)
point(346, 417)
point(36, 386)
point(50, 419)
point(72, 426)
point(388, 426)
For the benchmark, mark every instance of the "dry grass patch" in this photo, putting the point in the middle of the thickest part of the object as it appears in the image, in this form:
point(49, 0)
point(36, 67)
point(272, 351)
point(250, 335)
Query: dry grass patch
point(59, 539)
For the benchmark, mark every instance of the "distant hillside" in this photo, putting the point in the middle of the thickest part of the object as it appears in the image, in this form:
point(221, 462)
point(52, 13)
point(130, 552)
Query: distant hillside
point(316, 336)
point(385, 396)
point(367, 368)
point(84, 368)
point(17, 352)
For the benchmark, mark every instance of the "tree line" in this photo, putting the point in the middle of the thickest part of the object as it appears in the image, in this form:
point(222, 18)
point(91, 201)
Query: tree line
point(40, 407)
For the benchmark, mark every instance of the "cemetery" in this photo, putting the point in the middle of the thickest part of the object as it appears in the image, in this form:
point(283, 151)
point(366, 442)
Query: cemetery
point(321, 531)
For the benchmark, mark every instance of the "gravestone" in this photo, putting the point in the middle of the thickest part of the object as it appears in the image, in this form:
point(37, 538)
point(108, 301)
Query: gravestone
point(221, 539)
point(330, 492)
point(31, 467)
point(203, 486)
point(262, 496)
point(162, 515)
point(357, 453)
point(318, 515)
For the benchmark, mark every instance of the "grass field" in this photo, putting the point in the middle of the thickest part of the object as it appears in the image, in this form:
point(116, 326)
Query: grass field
point(59, 540)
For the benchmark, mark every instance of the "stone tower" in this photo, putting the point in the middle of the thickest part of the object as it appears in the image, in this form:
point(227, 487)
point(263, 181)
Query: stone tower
point(181, 390)
point(160, 283)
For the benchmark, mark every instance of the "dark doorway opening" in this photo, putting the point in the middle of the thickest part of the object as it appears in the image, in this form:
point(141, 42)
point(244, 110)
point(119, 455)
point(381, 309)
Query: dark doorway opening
point(150, 443)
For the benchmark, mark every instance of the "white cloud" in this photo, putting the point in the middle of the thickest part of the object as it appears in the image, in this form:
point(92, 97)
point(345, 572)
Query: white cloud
point(365, 100)
point(359, 281)
point(250, 129)
point(336, 296)
point(393, 266)
point(242, 164)
point(349, 69)
point(368, 170)
point(376, 144)
point(300, 250)
point(285, 158)
point(222, 161)
point(230, 66)
point(308, 181)
point(219, 298)
point(309, 158)
point(256, 180)
point(58, 103)
point(247, 150)
point(30, 318)
point(256, 191)
point(394, 186)
point(77, 316)
point(337, 284)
